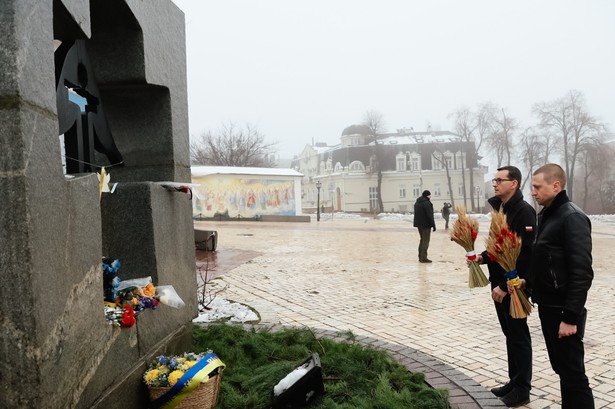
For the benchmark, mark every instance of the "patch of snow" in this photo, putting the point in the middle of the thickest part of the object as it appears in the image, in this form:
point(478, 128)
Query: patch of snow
point(481, 217)
point(225, 310)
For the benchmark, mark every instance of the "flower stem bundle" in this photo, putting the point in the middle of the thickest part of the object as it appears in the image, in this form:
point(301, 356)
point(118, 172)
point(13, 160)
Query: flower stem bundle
point(464, 233)
point(504, 247)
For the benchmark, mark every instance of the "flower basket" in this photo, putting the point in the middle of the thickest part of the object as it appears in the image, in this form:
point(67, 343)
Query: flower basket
point(184, 381)
point(205, 396)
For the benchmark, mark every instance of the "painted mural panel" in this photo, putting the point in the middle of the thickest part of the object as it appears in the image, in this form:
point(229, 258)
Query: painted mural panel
point(241, 197)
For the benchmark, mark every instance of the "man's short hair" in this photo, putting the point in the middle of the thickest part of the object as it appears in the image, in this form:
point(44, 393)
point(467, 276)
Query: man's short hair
point(552, 172)
point(513, 173)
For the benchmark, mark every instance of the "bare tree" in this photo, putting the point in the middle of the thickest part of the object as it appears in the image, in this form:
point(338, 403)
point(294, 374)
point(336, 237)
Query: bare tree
point(439, 156)
point(568, 118)
point(484, 123)
point(374, 120)
point(501, 137)
point(465, 126)
point(532, 152)
point(473, 127)
point(205, 293)
point(233, 146)
point(595, 160)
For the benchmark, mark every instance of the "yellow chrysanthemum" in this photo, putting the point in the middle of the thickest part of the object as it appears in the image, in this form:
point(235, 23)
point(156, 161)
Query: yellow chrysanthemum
point(190, 364)
point(163, 369)
point(149, 290)
point(174, 377)
point(151, 375)
point(181, 360)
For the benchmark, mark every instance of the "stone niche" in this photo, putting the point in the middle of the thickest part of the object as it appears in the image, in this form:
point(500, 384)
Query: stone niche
point(57, 349)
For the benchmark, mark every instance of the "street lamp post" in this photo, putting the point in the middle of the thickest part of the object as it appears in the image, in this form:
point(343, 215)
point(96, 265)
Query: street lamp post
point(477, 189)
point(318, 185)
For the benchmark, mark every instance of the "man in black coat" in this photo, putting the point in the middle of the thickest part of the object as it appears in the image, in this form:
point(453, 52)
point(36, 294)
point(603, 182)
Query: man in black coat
point(561, 275)
point(424, 221)
point(521, 218)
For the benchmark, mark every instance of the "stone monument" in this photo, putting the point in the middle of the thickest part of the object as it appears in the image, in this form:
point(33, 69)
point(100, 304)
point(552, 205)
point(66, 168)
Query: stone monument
point(57, 350)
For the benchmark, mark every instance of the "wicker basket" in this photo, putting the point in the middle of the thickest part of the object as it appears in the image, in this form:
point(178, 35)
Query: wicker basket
point(205, 396)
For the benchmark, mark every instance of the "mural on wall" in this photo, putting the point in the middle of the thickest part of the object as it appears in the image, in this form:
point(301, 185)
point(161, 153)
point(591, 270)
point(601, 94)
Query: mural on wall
point(240, 197)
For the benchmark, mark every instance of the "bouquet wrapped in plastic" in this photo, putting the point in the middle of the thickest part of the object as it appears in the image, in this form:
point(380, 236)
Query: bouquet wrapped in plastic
point(126, 299)
point(464, 233)
point(504, 247)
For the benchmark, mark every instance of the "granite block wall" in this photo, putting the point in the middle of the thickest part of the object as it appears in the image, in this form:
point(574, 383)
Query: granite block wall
point(56, 349)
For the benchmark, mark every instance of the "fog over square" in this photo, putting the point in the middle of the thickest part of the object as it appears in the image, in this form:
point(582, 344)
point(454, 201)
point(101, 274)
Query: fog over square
point(303, 71)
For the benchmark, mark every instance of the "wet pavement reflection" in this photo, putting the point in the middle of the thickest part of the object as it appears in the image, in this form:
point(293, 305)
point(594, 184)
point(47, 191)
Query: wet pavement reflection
point(364, 276)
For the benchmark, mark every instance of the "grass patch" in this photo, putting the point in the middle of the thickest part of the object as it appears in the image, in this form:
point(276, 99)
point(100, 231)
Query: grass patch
point(355, 376)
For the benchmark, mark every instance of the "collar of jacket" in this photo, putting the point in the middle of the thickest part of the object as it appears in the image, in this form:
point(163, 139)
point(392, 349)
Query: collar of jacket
point(560, 199)
point(496, 202)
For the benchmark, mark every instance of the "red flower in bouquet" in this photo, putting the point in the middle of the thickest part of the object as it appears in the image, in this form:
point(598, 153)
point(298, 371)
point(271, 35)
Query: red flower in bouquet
point(464, 233)
point(503, 247)
point(128, 317)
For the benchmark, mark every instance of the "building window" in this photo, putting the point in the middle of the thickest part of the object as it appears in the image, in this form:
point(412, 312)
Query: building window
point(373, 198)
point(460, 189)
point(461, 160)
point(436, 161)
point(415, 162)
point(448, 159)
point(400, 160)
point(356, 166)
point(402, 191)
point(338, 167)
point(437, 192)
point(416, 190)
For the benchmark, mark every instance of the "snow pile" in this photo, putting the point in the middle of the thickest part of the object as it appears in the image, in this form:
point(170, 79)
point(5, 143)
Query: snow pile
point(224, 310)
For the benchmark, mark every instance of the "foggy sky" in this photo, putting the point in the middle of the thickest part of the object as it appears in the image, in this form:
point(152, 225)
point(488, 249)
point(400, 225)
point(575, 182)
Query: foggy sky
point(303, 71)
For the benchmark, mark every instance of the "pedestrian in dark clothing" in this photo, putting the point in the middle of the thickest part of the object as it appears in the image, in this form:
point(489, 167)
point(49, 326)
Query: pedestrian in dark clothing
point(521, 218)
point(446, 213)
point(424, 221)
point(560, 278)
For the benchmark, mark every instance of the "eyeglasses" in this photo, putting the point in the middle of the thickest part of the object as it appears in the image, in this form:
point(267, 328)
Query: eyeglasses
point(500, 180)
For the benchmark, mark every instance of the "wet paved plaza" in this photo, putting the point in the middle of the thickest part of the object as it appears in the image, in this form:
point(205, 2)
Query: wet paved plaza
point(362, 275)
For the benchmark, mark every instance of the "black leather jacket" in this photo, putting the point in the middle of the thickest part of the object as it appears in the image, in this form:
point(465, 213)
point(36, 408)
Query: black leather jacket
point(521, 218)
point(561, 268)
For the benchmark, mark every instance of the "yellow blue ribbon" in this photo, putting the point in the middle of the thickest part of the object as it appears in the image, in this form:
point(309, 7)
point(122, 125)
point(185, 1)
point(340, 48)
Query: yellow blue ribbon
point(191, 380)
point(513, 278)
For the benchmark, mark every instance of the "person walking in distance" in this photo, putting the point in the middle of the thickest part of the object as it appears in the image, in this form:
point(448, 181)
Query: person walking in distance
point(560, 277)
point(424, 222)
point(446, 213)
point(521, 218)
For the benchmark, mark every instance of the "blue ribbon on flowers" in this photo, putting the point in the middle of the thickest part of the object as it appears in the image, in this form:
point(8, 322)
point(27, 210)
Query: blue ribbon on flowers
point(511, 274)
point(196, 375)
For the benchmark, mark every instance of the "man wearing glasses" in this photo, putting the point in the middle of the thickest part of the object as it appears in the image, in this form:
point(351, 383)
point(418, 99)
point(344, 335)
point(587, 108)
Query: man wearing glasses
point(521, 218)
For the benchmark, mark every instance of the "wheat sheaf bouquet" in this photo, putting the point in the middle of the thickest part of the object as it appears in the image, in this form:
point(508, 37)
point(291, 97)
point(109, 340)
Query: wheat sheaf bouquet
point(504, 246)
point(464, 233)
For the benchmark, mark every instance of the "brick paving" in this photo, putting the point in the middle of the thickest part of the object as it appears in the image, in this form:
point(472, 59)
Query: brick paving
point(363, 276)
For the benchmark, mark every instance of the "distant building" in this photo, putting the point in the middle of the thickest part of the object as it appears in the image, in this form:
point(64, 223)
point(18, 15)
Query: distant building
point(245, 192)
point(411, 162)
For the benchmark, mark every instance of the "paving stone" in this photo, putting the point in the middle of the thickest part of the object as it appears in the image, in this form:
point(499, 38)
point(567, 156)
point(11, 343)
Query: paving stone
point(362, 275)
